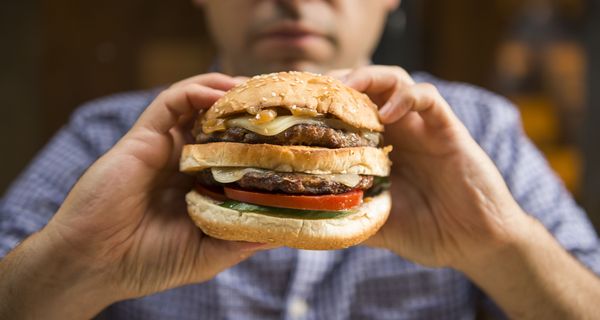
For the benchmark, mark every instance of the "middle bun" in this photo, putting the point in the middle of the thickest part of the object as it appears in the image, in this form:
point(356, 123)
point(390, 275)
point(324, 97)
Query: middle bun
point(358, 160)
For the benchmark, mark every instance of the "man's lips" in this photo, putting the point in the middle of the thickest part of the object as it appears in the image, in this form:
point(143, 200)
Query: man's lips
point(291, 34)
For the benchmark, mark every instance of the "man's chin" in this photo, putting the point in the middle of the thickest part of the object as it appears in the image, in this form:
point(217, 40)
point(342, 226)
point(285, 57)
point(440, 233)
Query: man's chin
point(301, 65)
point(270, 66)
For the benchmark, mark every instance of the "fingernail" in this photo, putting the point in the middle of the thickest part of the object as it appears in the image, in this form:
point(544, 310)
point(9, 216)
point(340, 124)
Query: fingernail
point(386, 110)
point(346, 79)
point(251, 246)
point(239, 80)
point(255, 246)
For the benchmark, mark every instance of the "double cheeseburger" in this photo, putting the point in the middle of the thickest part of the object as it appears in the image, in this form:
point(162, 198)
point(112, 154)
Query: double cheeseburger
point(290, 158)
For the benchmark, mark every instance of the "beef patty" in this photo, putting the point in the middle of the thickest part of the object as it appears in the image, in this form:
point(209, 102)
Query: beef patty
point(292, 183)
point(300, 134)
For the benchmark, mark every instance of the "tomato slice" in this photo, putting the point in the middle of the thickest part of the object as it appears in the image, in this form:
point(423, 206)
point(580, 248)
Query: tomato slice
point(330, 202)
point(216, 194)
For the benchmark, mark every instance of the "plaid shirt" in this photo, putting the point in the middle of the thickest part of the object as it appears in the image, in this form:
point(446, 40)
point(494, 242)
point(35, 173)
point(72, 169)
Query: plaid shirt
point(285, 283)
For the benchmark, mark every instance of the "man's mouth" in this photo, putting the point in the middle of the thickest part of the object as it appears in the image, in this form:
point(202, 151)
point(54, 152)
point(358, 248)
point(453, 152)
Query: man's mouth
point(290, 34)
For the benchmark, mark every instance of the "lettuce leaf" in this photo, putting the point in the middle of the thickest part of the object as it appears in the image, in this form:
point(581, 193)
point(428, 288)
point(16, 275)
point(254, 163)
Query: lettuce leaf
point(285, 212)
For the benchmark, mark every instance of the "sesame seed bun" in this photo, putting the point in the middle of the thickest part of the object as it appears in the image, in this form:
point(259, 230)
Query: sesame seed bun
point(290, 90)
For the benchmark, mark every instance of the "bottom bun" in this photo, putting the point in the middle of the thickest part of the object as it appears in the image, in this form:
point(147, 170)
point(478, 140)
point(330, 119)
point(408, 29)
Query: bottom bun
point(317, 234)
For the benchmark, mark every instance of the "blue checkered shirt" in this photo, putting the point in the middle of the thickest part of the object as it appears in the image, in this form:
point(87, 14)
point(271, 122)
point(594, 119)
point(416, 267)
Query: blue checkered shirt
point(356, 283)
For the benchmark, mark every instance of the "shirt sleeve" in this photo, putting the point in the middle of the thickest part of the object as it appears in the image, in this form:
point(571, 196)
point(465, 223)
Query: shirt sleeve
point(39, 191)
point(535, 186)
point(496, 125)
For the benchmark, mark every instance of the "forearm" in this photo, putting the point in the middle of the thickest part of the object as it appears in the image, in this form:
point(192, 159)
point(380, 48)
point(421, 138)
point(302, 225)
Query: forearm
point(535, 278)
point(38, 281)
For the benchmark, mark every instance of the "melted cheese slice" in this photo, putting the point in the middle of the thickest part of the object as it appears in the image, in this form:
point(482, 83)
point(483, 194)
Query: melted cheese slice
point(229, 175)
point(282, 123)
point(273, 127)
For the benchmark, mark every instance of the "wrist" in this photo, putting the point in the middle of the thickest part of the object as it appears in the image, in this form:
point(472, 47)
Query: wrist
point(84, 272)
point(508, 253)
point(531, 276)
point(45, 280)
point(507, 242)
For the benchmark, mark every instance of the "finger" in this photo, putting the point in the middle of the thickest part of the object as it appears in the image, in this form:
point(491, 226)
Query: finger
point(213, 80)
point(219, 255)
point(174, 103)
point(375, 80)
point(376, 241)
point(339, 74)
point(423, 98)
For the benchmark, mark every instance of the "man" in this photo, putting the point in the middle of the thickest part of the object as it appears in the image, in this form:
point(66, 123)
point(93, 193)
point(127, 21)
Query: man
point(122, 233)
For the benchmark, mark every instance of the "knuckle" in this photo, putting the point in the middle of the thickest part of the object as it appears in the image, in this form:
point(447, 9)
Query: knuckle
point(399, 70)
point(428, 88)
point(166, 93)
point(339, 73)
point(361, 71)
point(214, 75)
point(211, 77)
point(175, 91)
point(362, 68)
point(175, 85)
point(192, 87)
point(402, 76)
point(409, 97)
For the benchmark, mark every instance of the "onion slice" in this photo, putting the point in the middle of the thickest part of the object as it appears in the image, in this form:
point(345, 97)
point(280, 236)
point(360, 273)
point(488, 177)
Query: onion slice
point(229, 175)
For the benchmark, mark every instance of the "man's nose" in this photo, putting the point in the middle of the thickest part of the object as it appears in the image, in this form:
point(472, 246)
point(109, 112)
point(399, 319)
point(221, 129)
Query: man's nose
point(293, 6)
point(297, 2)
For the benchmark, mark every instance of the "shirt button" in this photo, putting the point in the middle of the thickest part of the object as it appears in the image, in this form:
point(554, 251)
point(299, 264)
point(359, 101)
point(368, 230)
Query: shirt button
point(298, 308)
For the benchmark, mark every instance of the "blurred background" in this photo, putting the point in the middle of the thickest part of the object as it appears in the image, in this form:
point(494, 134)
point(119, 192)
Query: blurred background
point(542, 54)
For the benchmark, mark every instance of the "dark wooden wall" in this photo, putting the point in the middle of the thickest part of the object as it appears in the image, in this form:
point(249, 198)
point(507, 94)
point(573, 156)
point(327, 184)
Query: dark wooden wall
point(20, 125)
point(591, 199)
point(460, 38)
point(58, 54)
point(96, 48)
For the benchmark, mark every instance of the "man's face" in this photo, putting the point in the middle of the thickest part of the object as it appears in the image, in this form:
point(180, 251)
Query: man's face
point(260, 36)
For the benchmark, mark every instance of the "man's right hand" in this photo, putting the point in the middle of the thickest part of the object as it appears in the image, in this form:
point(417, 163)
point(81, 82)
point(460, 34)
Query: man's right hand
point(452, 208)
point(123, 230)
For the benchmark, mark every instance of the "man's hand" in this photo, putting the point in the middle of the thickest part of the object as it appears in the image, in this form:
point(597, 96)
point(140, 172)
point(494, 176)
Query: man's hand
point(449, 200)
point(123, 229)
point(451, 207)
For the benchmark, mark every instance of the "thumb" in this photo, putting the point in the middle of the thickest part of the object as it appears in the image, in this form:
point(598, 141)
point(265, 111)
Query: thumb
point(166, 111)
point(375, 241)
point(217, 255)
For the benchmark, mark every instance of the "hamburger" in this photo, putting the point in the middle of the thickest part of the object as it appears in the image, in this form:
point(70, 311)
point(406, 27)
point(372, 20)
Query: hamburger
point(293, 159)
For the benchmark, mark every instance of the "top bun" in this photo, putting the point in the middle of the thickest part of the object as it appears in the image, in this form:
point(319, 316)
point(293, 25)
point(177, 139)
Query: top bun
point(293, 90)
